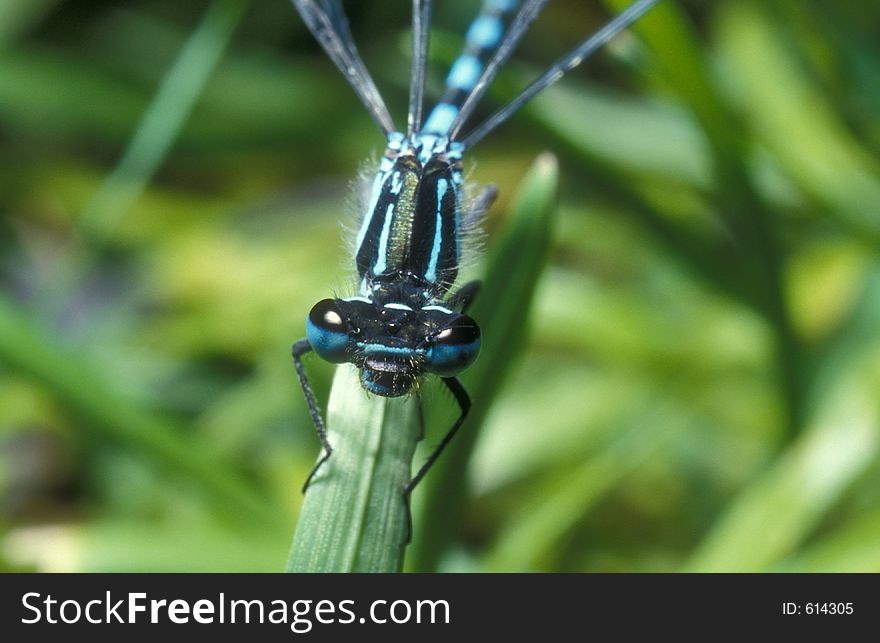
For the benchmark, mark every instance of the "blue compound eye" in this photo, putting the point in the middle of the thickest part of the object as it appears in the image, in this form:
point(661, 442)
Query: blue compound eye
point(327, 332)
point(455, 347)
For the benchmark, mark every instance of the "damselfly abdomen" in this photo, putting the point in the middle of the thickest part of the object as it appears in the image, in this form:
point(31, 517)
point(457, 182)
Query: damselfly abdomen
point(406, 320)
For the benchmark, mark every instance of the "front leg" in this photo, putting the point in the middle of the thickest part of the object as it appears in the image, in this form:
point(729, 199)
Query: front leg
point(299, 349)
point(479, 207)
point(464, 296)
point(464, 404)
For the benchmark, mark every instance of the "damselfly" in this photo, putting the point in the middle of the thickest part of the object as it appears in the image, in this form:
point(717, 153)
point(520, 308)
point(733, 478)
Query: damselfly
point(403, 322)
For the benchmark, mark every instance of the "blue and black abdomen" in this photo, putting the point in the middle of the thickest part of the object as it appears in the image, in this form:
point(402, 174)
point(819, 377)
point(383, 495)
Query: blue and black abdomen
point(412, 227)
point(483, 38)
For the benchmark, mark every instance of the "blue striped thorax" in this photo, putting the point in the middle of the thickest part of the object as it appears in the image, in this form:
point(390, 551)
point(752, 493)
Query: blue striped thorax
point(407, 256)
point(412, 225)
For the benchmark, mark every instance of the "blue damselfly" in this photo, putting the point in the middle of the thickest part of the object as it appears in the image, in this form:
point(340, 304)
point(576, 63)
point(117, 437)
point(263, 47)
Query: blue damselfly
point(405, 321)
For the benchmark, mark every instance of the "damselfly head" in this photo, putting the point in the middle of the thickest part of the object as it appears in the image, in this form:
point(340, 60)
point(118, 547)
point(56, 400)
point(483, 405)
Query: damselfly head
point(392, 343)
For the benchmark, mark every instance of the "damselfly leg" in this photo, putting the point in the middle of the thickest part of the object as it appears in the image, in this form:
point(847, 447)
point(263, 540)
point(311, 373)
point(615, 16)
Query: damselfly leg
point(464, 296)
point(299, 349)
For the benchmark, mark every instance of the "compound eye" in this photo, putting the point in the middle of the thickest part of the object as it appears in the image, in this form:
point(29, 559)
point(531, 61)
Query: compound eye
point(327, 331)
point(455, 347)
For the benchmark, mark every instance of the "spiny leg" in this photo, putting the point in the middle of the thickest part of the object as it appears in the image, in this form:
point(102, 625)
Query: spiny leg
point(464, 296)
point(299, 349)
point(464, 403)
point(420, 419)
point(479, 207)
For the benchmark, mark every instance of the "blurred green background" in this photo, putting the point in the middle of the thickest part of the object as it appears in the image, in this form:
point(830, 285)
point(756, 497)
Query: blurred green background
point(699, 387)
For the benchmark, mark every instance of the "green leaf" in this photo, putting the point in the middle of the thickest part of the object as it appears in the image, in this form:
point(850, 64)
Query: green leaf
point(852, 548)
point(17, 16)
point(794, 119)
point(109, 544)
point(354, 518)
point(771, 517)
point(502, 309)
point(164, 118)
point(31, 350)
point(536, 532)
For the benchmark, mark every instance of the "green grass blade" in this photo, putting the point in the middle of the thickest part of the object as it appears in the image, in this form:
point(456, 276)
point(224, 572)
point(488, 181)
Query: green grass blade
point(852, 548)
point(772, 516)
point(164, 118)
point(353, 518)
point(678, 54)
point(796, 121)
point(114, 544)
point(758, 257)
point(30, 350)
point(17, 16)
point(537, 530)
point(502, 309)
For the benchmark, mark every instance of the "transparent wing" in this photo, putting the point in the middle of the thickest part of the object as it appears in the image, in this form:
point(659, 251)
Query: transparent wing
point(421, 27)
point(327, 22)
point(562, 67)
